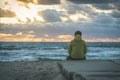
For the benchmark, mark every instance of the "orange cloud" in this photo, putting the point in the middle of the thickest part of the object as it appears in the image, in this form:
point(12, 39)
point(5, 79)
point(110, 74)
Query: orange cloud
point(103, 40)
point(31, 37)
point(26, 1)
point(5, 3)
point(44, 2)
point(64, 38)
point(5, 35)
point(6, 13)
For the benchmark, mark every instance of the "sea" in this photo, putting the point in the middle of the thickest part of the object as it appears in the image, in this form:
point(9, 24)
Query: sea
point(34, 51)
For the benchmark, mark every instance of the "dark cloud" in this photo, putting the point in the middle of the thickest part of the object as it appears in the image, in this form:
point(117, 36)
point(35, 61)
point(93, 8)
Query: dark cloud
point(28, 19)
point(117, 6)
point(118, 22)
point(110, 6)
point(94, 1)
point(19, 20)
point(89, 29)
point(50, 15)
point(98, 17)
point(102, 6)
point(83, 9)
point(49, 2)
point(71, 8)
point(27, 1)
point(43, 2)
point(6, 13)
point(6, 3)
point(104, 19)
point(115, 14)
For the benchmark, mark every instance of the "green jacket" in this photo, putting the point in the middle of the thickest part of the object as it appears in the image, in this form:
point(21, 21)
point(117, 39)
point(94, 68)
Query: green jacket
point(77, 47)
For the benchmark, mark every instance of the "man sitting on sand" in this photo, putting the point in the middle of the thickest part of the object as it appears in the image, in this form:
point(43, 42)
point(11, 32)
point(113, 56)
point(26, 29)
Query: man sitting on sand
point(77, 47)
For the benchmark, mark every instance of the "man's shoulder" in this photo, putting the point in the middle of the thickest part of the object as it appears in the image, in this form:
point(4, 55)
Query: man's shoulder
point(84, 41)
point(72, 41)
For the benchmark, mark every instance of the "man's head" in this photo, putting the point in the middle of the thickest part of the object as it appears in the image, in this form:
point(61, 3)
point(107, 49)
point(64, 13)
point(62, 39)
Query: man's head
point(78, 32)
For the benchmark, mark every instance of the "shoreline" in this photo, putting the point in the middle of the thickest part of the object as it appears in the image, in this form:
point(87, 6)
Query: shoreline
point(60, 70)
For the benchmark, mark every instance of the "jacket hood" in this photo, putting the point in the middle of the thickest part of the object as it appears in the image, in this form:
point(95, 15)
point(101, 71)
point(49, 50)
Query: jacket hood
point(77, 37)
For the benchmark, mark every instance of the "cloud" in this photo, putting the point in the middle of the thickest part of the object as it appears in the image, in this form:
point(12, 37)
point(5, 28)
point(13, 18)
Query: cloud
point(50, 15)
point(19, 37)
point(2, 35)
point(98, 22)
point(97, 13)
point(49, 2)
point(103, 6)
point(43, 2)
point(70, 7)
point(104, 18)
point(65, 37)
point(90, 29)
point(6, 3)
point(62, 31)
point(103, 40)
point(28, 19)
point(117, 22)
point(6, 13)
point(32, 38)
point(27, 1)
point(109, 6)
point(94, 1)
point(115, 14)
point(117, 6)
point(83, 9)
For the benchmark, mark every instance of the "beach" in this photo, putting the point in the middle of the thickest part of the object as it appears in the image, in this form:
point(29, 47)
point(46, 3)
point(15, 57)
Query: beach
point(60, 70)
point(30, 70)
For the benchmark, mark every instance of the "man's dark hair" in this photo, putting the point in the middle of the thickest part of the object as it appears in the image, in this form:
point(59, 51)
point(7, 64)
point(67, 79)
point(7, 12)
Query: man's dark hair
point(78, 32)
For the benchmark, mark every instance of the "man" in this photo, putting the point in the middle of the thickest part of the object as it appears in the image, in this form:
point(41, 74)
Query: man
point(77, 47)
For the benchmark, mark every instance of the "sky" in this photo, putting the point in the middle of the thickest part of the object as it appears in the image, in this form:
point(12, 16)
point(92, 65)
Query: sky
point(57, 20)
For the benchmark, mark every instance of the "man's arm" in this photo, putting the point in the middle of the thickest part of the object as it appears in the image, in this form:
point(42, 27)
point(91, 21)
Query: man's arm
point(85, 48)
point(70, 49)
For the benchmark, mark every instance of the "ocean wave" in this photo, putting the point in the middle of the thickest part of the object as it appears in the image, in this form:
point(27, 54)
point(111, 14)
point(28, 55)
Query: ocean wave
point(15, 48)
point(29, 48)
point(36, 51)
point(52, 48)
point(104, 44)
point(8, 48)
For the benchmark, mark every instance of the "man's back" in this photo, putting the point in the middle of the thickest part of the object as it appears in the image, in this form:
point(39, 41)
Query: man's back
point(77, 48)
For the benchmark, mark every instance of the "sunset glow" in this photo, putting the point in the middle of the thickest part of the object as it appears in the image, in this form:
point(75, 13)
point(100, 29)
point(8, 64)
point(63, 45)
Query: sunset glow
point(24, 12)
point(57, 20)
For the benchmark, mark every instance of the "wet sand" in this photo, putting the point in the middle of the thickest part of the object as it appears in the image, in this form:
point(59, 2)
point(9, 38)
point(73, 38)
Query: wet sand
point(38, 70)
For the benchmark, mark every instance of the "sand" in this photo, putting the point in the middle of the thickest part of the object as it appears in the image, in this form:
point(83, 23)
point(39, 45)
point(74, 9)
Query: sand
point(35, 70)
point(61, 70)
